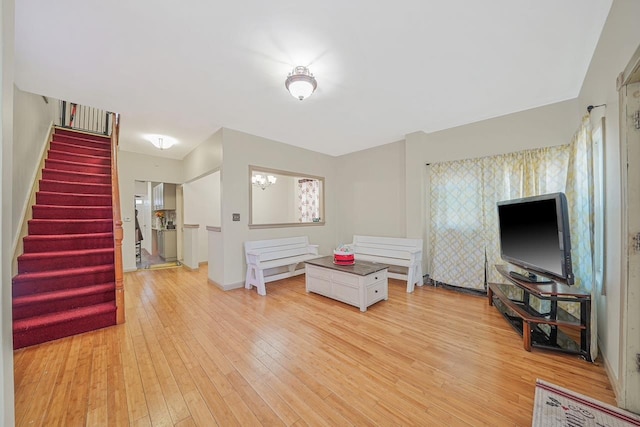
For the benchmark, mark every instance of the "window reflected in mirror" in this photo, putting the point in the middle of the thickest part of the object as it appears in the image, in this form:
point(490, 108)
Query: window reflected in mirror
point(284, 199)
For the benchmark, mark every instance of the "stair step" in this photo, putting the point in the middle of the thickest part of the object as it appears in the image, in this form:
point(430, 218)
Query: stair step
point(79, 149)
point(76, 226)
point(51, 302)
point(72, 199)
point(66, 242)
point(57, 280)
point(35, 330)
point(80, 177)
point(74, 140)
point(59, 260)
point(80, 134)
point(79, 158)
point(57, 186)
point(71, 212)
point(75, 166)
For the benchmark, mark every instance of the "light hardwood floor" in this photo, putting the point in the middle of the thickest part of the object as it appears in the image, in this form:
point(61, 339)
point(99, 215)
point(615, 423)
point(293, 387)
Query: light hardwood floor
point(191, 354)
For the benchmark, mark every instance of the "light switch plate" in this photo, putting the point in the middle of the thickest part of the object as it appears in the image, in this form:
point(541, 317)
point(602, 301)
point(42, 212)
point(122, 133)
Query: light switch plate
point(236, 217)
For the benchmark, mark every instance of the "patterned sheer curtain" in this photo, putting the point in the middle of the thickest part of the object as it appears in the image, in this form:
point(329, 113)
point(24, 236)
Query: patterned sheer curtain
point(457, 223)
point(308, 200)
point(464, 218)
point(580, 192)
point(516, 175)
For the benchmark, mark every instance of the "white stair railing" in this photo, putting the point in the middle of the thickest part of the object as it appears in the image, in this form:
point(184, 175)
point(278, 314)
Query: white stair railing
point(84, 118)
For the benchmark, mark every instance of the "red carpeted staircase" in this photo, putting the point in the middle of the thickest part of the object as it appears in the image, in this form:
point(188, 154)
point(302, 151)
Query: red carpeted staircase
point(66, 276)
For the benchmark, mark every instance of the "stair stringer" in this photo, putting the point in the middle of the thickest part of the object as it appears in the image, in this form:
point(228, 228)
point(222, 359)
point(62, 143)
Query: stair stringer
point(30, 201)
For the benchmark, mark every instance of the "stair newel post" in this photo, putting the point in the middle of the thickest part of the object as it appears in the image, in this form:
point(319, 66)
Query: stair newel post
point(117, 220)
point(119, 272)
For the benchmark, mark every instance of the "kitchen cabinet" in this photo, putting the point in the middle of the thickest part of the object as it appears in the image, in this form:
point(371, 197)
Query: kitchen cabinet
point(167, 244)
point(164, 197)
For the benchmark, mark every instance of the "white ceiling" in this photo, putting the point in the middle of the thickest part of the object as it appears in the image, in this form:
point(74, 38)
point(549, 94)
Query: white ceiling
point(384, 68)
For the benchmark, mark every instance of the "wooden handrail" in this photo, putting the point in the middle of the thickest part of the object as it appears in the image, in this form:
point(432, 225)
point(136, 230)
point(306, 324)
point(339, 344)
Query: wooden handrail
point(117, 219)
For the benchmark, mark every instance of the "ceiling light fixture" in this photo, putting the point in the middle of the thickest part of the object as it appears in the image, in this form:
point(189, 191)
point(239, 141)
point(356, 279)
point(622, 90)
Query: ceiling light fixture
point(300, 83)
point(263, 181)
point(162, 142)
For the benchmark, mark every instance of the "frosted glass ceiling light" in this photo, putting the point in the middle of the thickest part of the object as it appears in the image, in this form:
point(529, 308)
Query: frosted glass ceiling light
point(162, 142)
point(300, 83)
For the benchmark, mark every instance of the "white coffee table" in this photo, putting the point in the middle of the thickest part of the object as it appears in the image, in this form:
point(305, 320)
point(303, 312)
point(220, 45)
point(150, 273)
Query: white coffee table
point(361, 284)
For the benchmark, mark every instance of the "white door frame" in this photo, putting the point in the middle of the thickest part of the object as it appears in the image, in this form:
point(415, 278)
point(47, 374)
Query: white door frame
point(629, 96)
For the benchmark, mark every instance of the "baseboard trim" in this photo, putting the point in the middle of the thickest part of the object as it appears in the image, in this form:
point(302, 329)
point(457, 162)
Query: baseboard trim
point(228, 287)
point(615, 384)
point(469, 291)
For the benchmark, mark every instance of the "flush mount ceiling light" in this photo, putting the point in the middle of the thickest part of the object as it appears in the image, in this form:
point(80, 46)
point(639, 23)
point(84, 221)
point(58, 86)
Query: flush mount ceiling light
point(300, 83)
point(161, 141)
point(263, 181)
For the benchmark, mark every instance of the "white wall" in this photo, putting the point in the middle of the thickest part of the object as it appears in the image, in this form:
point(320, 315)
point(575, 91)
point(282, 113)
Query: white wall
point(204, 159)
point(134, 167)
point(371, 193)
point(619, 40)
point(215, 268)
point(32, 121)
point(202, 207)
point(241, 150)
point(7, 412)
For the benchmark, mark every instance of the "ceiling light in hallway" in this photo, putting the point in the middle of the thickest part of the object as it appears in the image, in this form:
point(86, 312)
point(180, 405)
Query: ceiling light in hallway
point(161, 141)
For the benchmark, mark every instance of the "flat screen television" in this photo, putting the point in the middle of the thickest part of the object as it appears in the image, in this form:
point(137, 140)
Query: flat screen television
point(534, 235)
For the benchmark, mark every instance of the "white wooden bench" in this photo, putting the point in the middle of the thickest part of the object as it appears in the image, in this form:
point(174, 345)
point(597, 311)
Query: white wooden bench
point(270, 254)
point(394, 251)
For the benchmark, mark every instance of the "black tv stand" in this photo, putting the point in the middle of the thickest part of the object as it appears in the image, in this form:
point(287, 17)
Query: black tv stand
point(557, 330)
point(529, 278)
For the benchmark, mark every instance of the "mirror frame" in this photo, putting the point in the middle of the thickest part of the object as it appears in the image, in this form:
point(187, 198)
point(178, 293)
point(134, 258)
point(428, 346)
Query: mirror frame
point(253, 169)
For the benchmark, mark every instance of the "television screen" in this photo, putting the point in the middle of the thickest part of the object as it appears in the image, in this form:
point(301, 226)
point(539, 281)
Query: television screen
point(534, 235)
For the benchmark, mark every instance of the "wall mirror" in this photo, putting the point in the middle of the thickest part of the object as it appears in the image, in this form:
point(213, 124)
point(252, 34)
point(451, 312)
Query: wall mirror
point(284, 199)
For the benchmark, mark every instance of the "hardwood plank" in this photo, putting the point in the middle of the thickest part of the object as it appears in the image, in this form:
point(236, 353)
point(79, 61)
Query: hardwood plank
point(158, 410)
point(170, 390)
point(240, 410)
point(24, 391)
point(188, 422)
point(193, 355)
point(201, 414)
point(51, 365)
point(76, 409)
point(136, 401)
point(141, 422)
point(221, 412)
point(117, 404)
point(261, 410)
point(97, 399)
point(56, 411)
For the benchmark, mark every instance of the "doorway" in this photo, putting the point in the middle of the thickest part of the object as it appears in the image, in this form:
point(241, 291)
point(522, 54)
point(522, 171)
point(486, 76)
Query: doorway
point(155, 231)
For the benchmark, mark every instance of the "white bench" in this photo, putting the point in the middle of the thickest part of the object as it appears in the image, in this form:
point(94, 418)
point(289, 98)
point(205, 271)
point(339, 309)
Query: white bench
point(394, 251)
point(269, 254)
